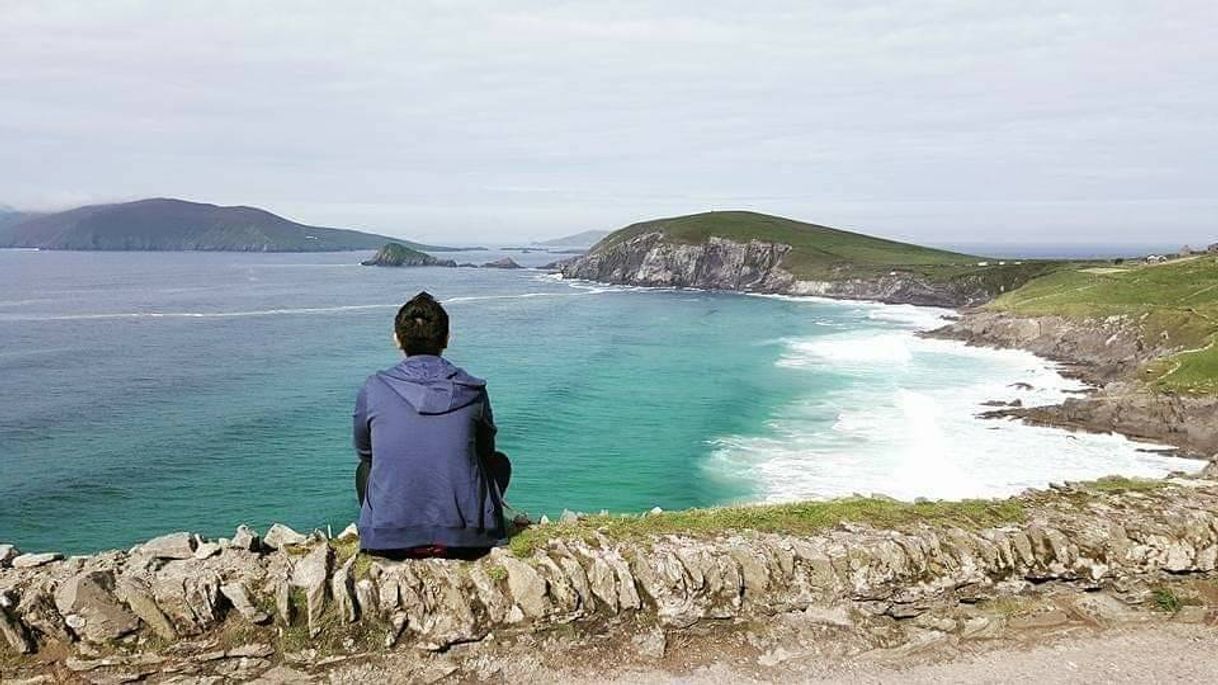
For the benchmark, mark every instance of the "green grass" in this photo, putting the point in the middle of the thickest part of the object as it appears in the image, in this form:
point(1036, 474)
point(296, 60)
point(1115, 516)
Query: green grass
point(1175, 304)
point(1165, 599)
point(1119, 484)
point(796, 518)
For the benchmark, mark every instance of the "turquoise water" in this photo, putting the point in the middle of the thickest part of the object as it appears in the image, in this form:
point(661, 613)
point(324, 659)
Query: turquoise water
point(143, 393)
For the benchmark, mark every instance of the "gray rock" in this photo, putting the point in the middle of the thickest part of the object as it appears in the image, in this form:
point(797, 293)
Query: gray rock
point(342, 588)
point(568, 516)
point(245, 539)
point(527, 587)
point(251, 651)
point(172, 546)
point(90, 608)
point(35, 560)
point(13, 630)
point(311, 574)
point(138, 596)
point(351, 532)
point(280, 536)
point(206, 550)
point(365, 597)
point(238, 596)
point(1210, 471)
point(651, 644)
point(7, 554)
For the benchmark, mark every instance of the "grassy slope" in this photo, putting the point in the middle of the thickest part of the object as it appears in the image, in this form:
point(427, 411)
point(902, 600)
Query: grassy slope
point(823, 253)
point(816, 250)
point(1177, 299)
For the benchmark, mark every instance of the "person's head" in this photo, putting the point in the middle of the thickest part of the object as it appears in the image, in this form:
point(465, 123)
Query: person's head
point(421, 326)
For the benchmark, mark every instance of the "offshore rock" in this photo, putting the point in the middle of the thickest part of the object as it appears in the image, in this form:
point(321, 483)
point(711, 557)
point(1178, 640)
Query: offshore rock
point(502, 263)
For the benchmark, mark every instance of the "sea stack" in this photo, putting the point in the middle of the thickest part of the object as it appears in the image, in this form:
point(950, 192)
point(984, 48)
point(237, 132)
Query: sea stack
point(504, 263)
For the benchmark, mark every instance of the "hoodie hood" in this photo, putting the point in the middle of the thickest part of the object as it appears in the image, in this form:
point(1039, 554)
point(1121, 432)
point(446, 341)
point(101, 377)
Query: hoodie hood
point(432, 385)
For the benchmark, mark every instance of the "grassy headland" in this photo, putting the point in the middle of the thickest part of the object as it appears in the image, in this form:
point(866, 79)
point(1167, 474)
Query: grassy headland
point(824, 253)
point(1174, 302)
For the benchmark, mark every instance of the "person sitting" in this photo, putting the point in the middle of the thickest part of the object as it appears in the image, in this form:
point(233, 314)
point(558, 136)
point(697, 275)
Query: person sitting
point(429, 480)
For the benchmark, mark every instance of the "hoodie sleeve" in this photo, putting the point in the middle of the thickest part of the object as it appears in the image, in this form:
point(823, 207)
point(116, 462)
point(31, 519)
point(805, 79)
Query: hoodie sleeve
point(362, 432)
point(486, 428)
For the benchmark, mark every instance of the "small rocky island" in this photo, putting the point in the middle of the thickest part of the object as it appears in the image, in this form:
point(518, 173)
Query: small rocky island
point(502, 263)
point(396, 254)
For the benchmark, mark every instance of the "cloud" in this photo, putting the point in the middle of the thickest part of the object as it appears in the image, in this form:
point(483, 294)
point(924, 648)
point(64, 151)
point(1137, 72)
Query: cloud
point(934, 121)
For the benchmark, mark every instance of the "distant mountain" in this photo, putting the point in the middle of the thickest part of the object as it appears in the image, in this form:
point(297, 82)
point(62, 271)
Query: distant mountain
point(582, 240)
point(9, 217)
point(169, 224)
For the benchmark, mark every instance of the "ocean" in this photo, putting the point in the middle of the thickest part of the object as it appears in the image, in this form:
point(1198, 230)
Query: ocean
point(142, 393)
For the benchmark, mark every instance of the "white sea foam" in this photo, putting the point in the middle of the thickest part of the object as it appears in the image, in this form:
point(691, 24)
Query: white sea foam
point(906, 424)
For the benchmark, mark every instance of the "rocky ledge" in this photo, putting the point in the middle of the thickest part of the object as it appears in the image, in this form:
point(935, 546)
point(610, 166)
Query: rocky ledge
point(182, 606)
point(650, 259)
point(1107, 353)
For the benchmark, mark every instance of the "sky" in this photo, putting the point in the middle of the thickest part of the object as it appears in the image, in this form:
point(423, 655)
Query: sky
point(938, 121)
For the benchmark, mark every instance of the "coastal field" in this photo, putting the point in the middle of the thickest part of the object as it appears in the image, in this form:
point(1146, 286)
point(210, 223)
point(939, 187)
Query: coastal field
point(1174, 304)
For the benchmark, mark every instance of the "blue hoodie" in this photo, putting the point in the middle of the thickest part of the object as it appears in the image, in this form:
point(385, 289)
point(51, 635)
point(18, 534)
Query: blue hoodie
point(427, 427)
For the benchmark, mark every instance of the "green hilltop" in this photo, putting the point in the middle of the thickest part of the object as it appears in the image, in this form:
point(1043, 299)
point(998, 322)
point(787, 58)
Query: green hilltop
point(1176, 301)
point(825, 253)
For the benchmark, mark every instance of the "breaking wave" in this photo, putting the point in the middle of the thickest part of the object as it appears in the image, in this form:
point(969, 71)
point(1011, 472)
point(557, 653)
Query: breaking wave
point(903, 420)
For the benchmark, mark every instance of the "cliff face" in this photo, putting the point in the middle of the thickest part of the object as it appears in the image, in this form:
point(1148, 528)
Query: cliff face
point(755, 266)
point(1107, 353)
point(717, 264)
point(181, 604)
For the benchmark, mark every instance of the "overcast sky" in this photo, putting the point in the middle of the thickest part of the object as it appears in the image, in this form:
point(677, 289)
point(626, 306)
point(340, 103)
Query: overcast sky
point(953, 121)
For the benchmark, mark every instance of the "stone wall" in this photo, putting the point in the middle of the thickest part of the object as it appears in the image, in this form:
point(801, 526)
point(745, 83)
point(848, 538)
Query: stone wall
point(175, 591)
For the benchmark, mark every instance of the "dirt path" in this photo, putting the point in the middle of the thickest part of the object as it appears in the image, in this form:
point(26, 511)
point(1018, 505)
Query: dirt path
point(1158, 654)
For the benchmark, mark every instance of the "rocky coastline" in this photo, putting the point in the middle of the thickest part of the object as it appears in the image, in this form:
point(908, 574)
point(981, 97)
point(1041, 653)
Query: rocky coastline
point(1107, 354)
point(756, 266)
point(181, 608)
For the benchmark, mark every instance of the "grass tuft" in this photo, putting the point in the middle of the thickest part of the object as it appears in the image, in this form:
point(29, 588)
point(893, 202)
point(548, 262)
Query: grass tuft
point(796, 518)
point(1119, 484)
point(1166, 599)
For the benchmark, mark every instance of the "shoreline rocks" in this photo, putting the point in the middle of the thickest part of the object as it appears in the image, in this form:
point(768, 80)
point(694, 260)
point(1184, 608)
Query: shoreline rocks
point(1106, 354)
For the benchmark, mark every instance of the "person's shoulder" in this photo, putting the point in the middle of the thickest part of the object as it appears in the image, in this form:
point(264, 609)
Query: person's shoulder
point(463, 377)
